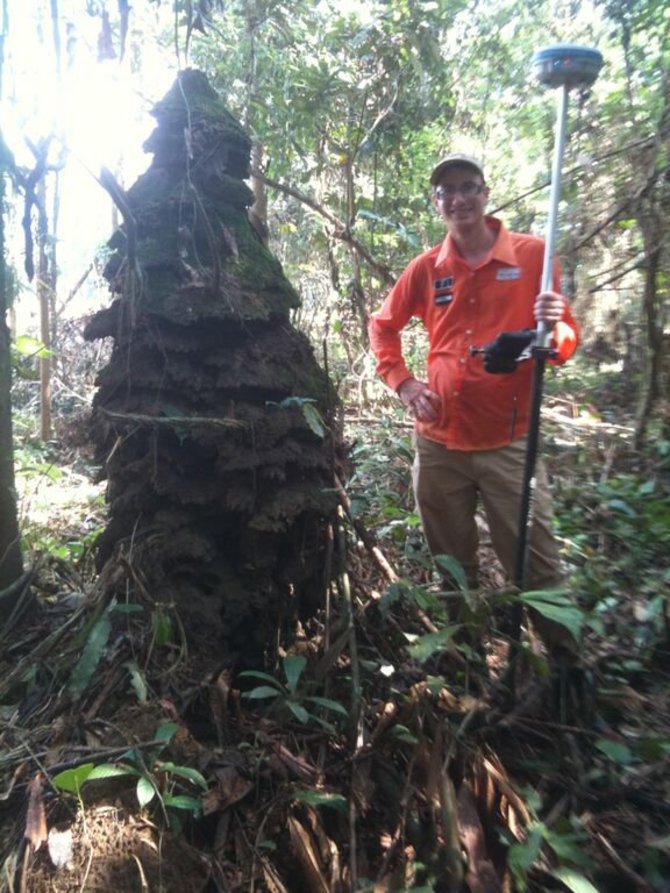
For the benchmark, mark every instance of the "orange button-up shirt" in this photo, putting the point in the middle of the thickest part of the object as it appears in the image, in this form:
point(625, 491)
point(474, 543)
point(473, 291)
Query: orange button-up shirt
point(462, 306)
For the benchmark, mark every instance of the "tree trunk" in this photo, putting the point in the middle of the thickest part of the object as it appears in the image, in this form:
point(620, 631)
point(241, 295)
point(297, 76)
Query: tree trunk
point(11, 562)
point(44, 300)
point(652, 318)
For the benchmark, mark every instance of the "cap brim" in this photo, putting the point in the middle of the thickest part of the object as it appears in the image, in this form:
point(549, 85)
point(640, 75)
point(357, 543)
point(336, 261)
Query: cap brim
point(454, 162)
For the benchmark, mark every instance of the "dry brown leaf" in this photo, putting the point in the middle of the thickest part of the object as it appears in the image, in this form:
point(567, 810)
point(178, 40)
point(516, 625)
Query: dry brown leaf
point(307, 857)
point(36, 822)
point(230, 787)
point(297, 765)
point(19, 772)
point(480, 875)
point(218, 702)
point(504, 785)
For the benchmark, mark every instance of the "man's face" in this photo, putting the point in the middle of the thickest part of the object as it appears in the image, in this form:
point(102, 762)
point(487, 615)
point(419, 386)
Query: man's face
point(460, 197)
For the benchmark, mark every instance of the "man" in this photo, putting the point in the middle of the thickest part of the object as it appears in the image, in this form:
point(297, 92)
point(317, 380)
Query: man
point(471, 425)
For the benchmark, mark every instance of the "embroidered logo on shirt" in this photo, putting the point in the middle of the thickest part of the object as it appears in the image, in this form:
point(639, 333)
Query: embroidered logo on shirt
point(442, 289)
point(505, 274)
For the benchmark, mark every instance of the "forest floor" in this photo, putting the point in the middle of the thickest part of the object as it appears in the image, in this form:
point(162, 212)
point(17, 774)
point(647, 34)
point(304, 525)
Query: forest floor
point(382, 751)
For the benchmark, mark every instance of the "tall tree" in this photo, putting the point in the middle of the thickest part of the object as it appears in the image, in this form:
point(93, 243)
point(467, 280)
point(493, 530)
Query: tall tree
point(11, 562)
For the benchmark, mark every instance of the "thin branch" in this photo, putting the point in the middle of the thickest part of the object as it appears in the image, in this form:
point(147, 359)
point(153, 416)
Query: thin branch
point(340, 229)
point(111, 185)
point(172, 422)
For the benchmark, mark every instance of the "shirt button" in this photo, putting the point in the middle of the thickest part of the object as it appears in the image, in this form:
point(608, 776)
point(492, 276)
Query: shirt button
point(462, 360)
point(468, 331)
point(455, 393)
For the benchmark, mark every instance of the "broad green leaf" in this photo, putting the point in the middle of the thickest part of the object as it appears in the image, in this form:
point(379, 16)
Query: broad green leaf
point(162, 627)
point(321, 798)
point(568, 847)
point(620, 505)
point(262, 691)
point(556, 605)
point(71, 780)
point(615, 751)
point(298, 711)
point(185, 772)
point(402, 733)
point(574, 881)
point(455, 570)
point(145, 791)
point(293, 669)
point(428, 645)
point(522, 856)
point(181, 801)
point(31, 347)
point(313, 419)
point(166, 731)
point(328, 704)
point(90, 657)
point(264, 677)
point(111, 770)
point(137, 680)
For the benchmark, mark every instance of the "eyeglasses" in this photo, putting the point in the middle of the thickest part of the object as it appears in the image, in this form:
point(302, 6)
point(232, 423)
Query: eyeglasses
point(451, 189)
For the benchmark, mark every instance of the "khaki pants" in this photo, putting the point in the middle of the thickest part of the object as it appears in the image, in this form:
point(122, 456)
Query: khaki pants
point(447, 486)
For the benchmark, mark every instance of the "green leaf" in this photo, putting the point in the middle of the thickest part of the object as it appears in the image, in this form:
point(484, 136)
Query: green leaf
point(293, 669)
point(402, 733)
point(71, 780)
point(185, 772)
point(264, 677)
point(137, 680)
point(328, 704)
point(556, 605)
point(615, 751)
point(262, 691)
point(321, 798)
point(298, 711)
point(313, 419)
point(146, 791)
point(181, 801)
point(90, 657)
point(522, 856)
point(653, 747)
point(267, 845)
point(162, 627)
point(619, 505)
point(574, 881)
point(110, 770)
point(455, 570)
point(166, 731)
point(31, 347)
point(428, 645)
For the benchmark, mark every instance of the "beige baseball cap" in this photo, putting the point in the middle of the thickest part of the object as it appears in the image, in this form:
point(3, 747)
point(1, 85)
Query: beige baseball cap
point(455, 159)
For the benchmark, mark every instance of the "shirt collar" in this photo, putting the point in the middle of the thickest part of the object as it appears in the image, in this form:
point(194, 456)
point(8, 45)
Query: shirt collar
point(503, 249)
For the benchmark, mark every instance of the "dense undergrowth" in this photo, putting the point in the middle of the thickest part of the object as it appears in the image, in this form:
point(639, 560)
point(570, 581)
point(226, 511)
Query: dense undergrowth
point(378, 752)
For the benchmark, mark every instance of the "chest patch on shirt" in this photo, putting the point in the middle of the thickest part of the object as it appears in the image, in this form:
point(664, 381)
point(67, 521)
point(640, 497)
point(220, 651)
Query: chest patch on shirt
point(442, 290)
point(506, 274)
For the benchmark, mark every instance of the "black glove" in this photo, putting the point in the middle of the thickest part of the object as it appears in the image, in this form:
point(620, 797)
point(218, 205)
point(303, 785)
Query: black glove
point(502, 354)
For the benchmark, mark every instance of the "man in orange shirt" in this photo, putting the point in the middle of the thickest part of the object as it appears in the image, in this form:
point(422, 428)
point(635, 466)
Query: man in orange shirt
point(471, 425)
